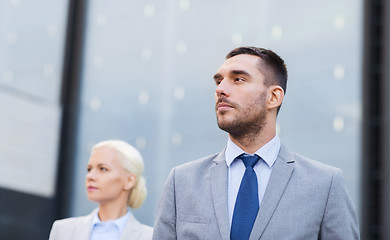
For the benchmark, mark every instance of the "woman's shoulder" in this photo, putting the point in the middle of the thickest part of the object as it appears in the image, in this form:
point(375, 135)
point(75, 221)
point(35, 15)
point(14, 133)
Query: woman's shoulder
point(78, 219)
point(71, 220)
point(74, 221)
point(68, 228)
point(144, 231)
point(146, 228)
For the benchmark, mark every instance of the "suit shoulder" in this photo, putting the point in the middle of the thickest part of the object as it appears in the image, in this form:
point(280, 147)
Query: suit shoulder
point(308, 162)
point(199, 163)
point(301, 161)
point(195, 168)
point(304, 166)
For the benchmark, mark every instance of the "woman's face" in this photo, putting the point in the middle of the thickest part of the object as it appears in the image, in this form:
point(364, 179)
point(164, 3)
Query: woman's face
point(106, 179)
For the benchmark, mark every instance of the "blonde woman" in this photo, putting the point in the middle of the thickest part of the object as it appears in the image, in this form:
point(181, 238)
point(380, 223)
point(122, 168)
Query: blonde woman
point(114, 180)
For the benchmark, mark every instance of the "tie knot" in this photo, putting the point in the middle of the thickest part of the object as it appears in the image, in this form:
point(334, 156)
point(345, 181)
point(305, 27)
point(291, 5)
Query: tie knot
point(249, 160)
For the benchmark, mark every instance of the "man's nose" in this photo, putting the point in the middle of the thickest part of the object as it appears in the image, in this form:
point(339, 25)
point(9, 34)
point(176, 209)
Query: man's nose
point(222, 88)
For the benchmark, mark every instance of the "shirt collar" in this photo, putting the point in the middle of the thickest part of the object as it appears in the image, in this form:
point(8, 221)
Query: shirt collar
point(119, 222)
point(268, 152)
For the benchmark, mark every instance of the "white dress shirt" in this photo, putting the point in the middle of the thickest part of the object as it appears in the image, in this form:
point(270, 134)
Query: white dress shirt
point(263, 169)
point(109, 230)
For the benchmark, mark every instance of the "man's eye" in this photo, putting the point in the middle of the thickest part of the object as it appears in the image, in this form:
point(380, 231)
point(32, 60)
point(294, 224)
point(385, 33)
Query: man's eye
point(89, 169)
point(103, 169)
point(239, 80)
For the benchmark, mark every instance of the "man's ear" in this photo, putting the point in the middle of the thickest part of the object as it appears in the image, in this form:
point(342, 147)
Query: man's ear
point(275, 97)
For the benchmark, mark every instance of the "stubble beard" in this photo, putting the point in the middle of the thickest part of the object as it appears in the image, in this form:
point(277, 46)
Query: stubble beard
point(245, 125)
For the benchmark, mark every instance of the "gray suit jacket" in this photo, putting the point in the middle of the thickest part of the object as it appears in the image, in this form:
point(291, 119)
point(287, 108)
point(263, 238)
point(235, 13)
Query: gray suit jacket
point(79, 228)
point(304, 200)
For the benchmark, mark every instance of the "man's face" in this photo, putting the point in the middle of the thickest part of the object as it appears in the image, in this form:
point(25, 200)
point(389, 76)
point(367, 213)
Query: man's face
point(240, 95)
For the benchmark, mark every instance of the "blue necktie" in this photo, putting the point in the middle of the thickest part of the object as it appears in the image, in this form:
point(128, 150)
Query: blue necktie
point(247, 202)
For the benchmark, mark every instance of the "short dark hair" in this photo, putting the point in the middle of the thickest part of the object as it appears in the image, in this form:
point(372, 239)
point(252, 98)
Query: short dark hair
point(271, 59)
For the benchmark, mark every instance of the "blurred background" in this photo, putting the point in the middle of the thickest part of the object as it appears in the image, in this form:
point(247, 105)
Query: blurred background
point(76, 72)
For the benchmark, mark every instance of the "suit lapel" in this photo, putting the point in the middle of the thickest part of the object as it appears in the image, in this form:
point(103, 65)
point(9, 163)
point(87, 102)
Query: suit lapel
point(83, 229)
point(219, 186)
point(278, 181)
point(132, 229)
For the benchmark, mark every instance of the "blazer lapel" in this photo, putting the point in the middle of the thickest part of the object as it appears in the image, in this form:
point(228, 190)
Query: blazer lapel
point(132, 229)
point(83, 229)
point(219, 186)
point(278, 181)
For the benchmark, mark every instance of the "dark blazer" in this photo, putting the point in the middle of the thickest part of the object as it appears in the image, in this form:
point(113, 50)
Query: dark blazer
point(79, 228)
point(304, 200)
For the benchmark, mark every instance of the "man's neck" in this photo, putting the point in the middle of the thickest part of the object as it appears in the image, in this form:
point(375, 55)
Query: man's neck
point(250, 143)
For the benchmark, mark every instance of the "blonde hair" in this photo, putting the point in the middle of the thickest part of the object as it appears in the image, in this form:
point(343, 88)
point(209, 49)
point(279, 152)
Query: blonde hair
point(131, 160)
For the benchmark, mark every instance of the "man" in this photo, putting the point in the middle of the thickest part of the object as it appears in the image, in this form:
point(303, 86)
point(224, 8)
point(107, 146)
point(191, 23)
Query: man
point(255, 188)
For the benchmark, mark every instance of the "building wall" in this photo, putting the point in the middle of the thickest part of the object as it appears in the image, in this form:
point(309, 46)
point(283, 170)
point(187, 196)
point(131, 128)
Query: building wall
point(31, 55)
